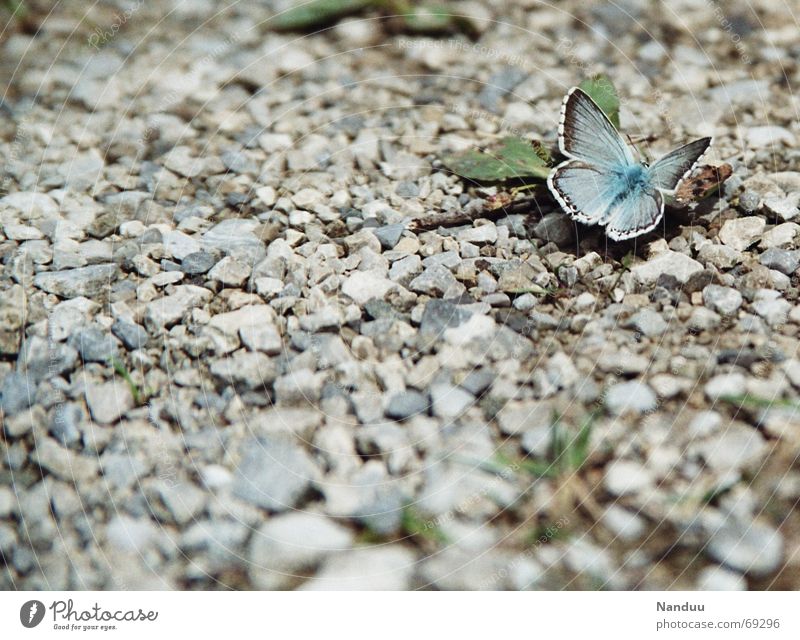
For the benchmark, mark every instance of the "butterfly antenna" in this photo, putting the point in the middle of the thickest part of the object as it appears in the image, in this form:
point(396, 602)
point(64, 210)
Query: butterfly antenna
point(634, 144)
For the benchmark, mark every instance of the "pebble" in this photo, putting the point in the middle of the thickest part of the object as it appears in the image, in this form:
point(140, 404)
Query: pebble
point(556, 228)
point(274, 474)
point(293, 542)
point(16, 393)
point(625, 525)
point(437, 281)
point(407, 404)
point(133, 336)
point(449, 401)
point(230, 272)
point(769, 136)
point(723, 300)
point(786, 262)
point(625, 477)
point(726, 384)
point(89, 282)
point(108, 401)
point(677, 265)
point(179, 245)
point(716, 578)
point(198, 263)
point(388, 568)
point(363, 286)
point(649, 323)
point(740, 233)
point(94, 345)
point(164, 312)
point(630, 396)
point(389, 235)
point(749, 547)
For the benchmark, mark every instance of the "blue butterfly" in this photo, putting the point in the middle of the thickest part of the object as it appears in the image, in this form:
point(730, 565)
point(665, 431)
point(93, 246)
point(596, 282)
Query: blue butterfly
point(602, 182)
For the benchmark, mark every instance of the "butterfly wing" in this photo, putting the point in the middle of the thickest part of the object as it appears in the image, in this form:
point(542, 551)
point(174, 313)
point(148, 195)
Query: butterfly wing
point(668, 172)
point(585, 133)
point(636, 212)
point(583, 190)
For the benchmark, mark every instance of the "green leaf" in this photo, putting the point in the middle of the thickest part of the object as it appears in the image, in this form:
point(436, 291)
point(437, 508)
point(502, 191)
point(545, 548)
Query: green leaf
point(429, 19)
point(602, 91)
point(514, 158)
point(318, 13)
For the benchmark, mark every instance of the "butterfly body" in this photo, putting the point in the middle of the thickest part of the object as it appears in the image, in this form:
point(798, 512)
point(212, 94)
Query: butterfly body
point(602, 182)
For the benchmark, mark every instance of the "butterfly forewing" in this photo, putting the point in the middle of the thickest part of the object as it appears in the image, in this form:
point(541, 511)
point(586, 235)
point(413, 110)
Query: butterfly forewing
point(585, 191)
point(585, 133)
point(667, 172)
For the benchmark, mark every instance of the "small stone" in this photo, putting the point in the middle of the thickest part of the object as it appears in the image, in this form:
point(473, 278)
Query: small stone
point(630, 396)
point(715, 578)
point(786, 262)
point(62, 463)
point(520, 417)
point(704, 424)
point(262, 337)
point(649, 323)
point(274, 474)
point(245, 370)
point(94, 345)
point(379, 568)
point(703, 319)
point(65, 427)
point(740, 233)
point(771, 307)
point(164, 312)
point(781, 236)
point(677, 265)
point(292, 542)
point(481, 234)
point(178, 245)
point(769, 136)
point(403, 271)
point(624, 524)
point(198, 263)
point(437, 281)
point(131, 535)
point(181, 161)
point(449, 402)
point(89, 282)
point(724, 300)
point(109, 401)
point(726, 384)
point(307, 198)
point(230, 272)
point(624, 477)
point(17, 393)
point(363, 286)
point(407, 404)
point(299, 387)
point(555, 227)
point(785, 208)
point(133, 336)
point(748, 547)
point(389, 235)
point(719, 255)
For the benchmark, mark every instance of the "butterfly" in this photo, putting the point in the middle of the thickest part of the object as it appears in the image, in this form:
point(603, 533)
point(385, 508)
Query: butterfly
point(602, 182)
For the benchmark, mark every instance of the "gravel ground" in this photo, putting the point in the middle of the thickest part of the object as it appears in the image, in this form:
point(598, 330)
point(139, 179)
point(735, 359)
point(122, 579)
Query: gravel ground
point(229, 360)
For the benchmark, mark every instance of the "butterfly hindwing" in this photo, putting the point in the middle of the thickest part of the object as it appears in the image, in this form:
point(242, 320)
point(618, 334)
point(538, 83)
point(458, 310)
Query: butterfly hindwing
point(584, 190)
point(667, 172)
point(635, 213)
point(585, 133)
